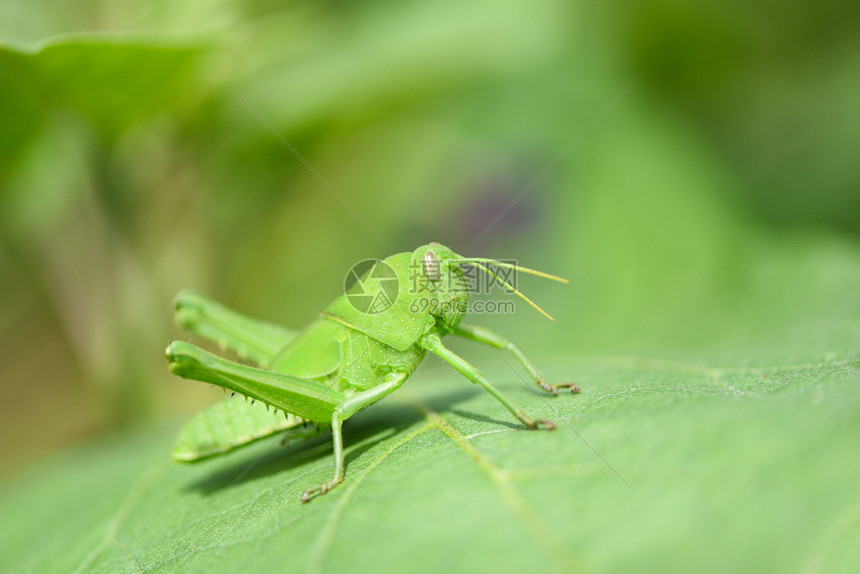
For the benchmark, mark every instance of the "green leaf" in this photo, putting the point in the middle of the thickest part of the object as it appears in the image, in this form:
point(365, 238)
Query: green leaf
point(729, 445)
point(658, 465)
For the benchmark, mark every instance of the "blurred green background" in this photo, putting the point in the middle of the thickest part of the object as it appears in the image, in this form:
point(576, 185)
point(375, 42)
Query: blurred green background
point(701, 213)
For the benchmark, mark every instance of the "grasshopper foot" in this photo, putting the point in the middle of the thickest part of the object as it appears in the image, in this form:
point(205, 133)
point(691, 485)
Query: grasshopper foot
point(320, 490)
point(554, 388)
point(536, 424)
point(544, 424)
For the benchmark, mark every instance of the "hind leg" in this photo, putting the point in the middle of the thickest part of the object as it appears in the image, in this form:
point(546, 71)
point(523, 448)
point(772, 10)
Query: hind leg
point(251, 339)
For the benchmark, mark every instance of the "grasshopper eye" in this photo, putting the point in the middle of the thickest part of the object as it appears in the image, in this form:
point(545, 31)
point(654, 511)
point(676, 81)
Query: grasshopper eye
point(431, 266)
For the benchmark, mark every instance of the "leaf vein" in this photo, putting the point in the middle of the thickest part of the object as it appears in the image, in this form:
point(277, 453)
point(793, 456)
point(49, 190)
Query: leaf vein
point(546, 539)
point(326, 535)
point(124, 509)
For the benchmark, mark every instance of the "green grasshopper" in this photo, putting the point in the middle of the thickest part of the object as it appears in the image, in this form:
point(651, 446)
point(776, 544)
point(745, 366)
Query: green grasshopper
point(361, 348)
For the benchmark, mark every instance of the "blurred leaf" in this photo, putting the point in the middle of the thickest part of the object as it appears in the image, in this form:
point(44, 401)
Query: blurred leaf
point(111, 82)
point(402, 53)
point(29, 22)
point(734, 468)
point(47, 181)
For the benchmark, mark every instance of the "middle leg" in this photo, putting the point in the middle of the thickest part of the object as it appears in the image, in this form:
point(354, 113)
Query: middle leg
point(343, 411)
point(433, 343)
point(493, 339)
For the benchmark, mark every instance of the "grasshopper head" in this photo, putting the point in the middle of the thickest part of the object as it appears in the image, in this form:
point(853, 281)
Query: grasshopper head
point(441, 286)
